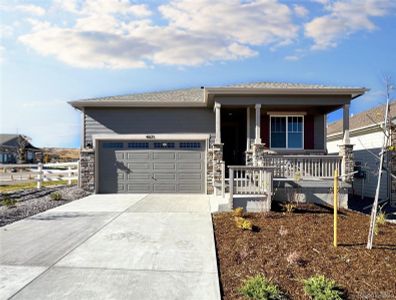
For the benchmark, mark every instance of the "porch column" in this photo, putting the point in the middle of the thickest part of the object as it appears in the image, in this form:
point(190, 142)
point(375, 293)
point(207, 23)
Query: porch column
point(346, 148)
point(258, 123)
point(345, 122)
point(248, 129)
point(218, 123)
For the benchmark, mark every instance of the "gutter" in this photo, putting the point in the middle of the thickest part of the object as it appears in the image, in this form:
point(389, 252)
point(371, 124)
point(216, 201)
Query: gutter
point(353, 92)
point(80, 104)
point(356, 131)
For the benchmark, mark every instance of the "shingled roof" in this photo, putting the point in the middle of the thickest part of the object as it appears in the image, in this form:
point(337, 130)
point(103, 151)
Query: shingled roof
point(11, 140)
point(366, 118)
point(196, 96)
point(181, 95)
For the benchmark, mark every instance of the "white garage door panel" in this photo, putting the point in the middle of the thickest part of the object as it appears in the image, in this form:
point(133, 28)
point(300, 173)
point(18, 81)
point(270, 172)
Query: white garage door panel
point(161, 167)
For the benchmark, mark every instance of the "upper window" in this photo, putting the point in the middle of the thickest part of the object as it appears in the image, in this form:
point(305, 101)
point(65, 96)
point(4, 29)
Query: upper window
point(287, 132)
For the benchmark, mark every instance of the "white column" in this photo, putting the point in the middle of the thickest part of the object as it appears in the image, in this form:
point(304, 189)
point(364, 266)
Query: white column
point(345, 123)
point(218, 123)
point(258, 123)
point(247, 128)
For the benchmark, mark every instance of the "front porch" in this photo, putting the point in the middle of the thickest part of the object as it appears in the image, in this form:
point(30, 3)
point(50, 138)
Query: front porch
point(286, 140)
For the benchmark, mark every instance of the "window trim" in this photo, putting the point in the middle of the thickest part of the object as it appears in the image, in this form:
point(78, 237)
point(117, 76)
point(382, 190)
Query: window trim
point(287, 131)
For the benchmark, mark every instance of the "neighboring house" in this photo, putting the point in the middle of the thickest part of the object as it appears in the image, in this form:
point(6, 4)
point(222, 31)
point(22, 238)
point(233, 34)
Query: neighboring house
point(176, 141)
point(367, 137)
point(9, 144)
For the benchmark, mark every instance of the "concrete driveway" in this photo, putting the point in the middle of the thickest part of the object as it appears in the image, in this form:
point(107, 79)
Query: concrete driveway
point(112, 247)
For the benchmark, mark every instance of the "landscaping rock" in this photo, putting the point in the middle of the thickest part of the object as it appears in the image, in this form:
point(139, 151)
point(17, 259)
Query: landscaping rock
point(32, 201)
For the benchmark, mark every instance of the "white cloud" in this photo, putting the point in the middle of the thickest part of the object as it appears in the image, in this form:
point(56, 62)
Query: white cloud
point(292, 57)
point(300, 10)
point(24, 8)
point(345, 18)
point(2, 54)
point(121, 34)
point(31, 9)
point(5, 31)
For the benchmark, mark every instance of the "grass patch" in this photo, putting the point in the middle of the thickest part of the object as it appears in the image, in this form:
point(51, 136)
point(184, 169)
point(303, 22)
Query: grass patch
point(31, 185)
point(8, 202)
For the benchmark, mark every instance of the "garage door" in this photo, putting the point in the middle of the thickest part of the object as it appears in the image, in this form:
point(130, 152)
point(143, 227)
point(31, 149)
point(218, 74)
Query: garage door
point(152, 167)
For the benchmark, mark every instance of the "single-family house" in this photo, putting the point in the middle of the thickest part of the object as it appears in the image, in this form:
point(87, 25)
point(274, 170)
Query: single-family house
point(9, 145)
point(367, 136)
point(188, 140)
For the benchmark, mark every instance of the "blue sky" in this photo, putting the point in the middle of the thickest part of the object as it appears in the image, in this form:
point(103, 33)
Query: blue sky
point(56, 51)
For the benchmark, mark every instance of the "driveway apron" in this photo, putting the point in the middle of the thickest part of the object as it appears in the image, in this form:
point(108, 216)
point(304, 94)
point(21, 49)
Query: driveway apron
point(135, 246)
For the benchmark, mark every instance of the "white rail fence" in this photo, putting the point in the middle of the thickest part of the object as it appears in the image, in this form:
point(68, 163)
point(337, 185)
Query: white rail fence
point(305, 166)
point(45, 172)
point(249, 180)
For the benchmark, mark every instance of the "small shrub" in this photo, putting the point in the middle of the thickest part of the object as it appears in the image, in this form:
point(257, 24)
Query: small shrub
point(260, 288)
point(380, 220)
point(319, 287)
point(381, 217)
point(238, 212)
point(56, 196)
point(8, 202)
point(243, 223)
point(289, 207)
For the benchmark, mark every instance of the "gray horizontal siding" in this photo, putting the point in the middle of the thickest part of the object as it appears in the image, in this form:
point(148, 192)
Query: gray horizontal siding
point(148, 121)
point(370, 163)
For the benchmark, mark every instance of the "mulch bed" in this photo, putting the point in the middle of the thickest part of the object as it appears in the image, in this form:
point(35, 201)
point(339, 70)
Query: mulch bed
point(364, 274)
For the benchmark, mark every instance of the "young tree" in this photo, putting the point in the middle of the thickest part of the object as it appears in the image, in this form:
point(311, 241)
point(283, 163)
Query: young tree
point(384, 148)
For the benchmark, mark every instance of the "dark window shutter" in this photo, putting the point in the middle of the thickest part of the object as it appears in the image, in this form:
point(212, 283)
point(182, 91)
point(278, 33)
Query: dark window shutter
point(265, 130)
point(309, 132)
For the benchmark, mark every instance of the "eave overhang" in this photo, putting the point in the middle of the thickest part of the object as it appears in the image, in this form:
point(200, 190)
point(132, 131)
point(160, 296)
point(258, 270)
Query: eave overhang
point(210, 93)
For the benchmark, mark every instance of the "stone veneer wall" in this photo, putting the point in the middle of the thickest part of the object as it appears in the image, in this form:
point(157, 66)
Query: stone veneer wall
point(87, 170)
point(214, 160)
point(347, 163)
point(258, 154)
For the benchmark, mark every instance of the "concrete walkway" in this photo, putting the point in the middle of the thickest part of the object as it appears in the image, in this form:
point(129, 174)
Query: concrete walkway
point(113, 247)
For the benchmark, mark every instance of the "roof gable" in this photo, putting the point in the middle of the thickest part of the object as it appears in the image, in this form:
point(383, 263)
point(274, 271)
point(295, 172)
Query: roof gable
point(366, 118)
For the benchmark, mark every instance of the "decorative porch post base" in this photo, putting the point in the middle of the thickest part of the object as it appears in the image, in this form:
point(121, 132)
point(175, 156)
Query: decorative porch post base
point(249, 157)
point(214, 174)
point(347, 163)
point(258, 154)
point(87, 170)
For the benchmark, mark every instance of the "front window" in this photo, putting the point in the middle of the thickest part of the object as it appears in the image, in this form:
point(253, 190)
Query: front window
point(287, 132)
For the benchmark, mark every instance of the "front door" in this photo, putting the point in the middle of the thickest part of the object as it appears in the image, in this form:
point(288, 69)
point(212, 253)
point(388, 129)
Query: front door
point(233, 136)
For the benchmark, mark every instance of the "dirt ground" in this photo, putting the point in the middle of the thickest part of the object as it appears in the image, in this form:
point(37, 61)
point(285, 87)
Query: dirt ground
point(308, 232)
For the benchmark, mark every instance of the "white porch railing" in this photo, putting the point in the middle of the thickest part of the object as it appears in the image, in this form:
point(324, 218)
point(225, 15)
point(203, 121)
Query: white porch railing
point(249, 180)
point(305, 166)
point(44, 172)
